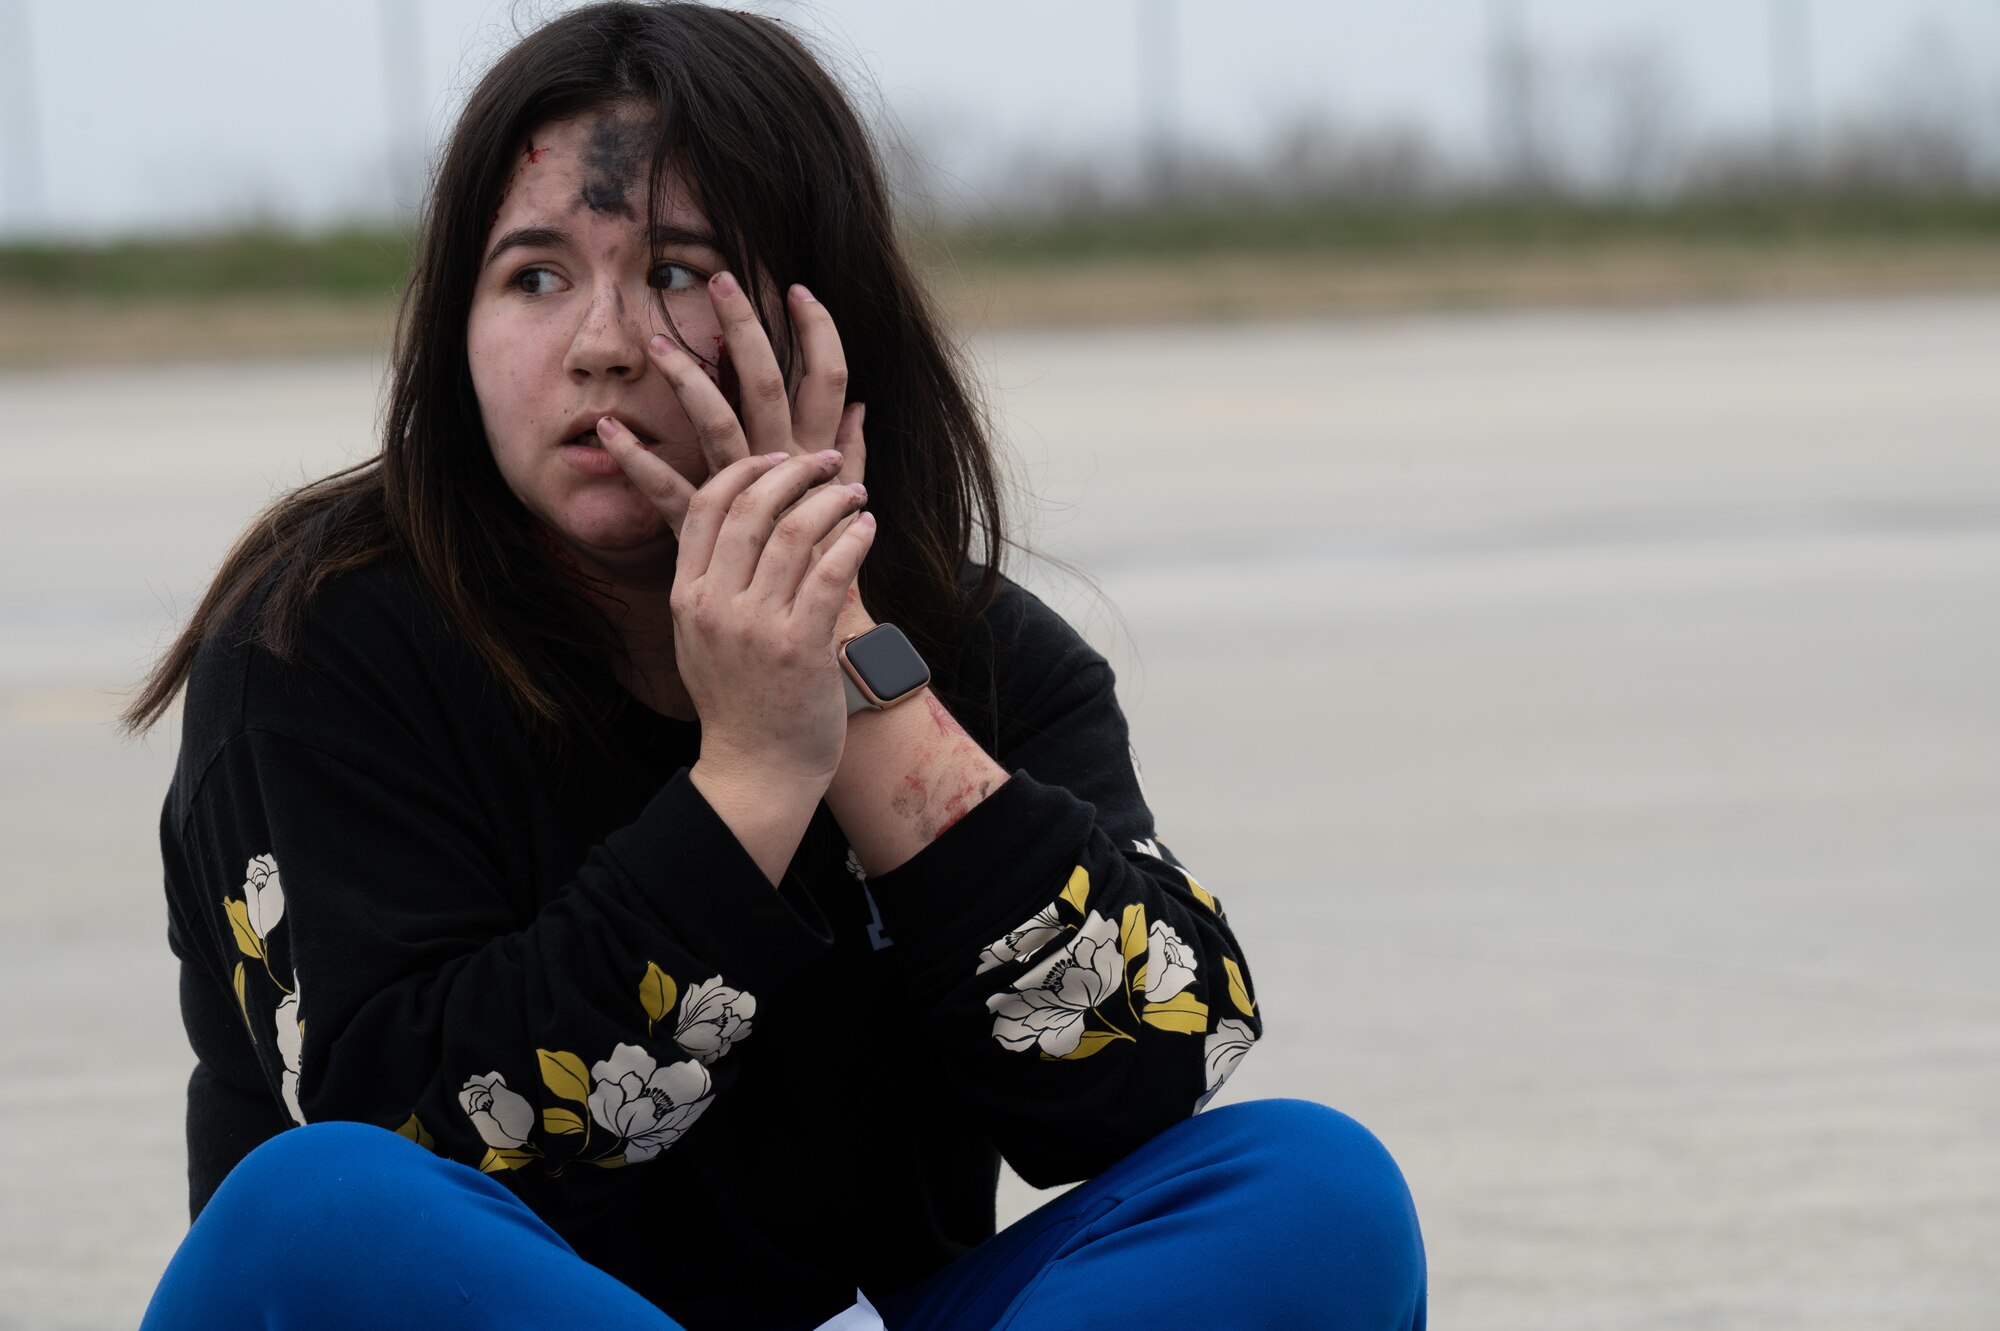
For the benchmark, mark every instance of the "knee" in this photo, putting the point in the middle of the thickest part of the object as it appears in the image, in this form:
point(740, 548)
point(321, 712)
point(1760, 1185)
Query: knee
point(1325, 1183)
point(1308, 1153)
point(321, 1174)
point(291, 1224)
point(1270, 1128)
point(1301, 1140)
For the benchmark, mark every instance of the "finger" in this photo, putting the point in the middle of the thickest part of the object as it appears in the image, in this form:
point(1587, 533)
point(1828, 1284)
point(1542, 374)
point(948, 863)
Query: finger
point(823, 591)
point(715, 425)
point(789, 552)
point(767, 407)
point(711, 503)
point(819, 400)
point(651, 475)
point(753, 514)
point(853, 461)
point(850, 444)
point(826, 542)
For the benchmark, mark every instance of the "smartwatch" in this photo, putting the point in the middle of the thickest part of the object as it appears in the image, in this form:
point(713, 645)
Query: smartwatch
point(880, 669)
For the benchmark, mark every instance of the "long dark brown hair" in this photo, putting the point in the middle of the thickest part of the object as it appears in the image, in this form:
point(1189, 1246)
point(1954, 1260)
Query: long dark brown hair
point(794, 192)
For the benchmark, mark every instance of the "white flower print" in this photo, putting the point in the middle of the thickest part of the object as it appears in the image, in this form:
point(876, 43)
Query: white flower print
point(1169, 963)
point(503, 1116)
point(1049, 1002)
point(291, 1035)
point(646, 1105)
point(263, 895)
point(1226, 1046)
point(1033, 934)
point(714, 1017)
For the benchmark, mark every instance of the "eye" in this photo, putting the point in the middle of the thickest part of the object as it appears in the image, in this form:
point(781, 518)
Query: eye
point(534, 281)
point(673, 277)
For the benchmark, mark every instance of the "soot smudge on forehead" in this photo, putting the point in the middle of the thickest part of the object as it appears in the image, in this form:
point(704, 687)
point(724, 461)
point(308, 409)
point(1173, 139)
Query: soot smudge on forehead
point(614, 158)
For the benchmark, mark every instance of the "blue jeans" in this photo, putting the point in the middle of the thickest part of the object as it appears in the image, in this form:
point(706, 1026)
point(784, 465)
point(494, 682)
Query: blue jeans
point(1275, 1213)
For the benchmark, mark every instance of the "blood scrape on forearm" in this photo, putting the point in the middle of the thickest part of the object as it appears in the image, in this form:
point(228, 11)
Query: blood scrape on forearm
point(906, 776)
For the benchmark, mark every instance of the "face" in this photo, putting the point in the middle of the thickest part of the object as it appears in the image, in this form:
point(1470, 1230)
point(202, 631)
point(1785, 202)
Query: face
point(568, 296)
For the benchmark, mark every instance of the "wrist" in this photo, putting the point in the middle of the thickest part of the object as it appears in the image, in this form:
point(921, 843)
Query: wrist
point(766, 813)
point(872, 720)
point(854, 618)
point(743, 775)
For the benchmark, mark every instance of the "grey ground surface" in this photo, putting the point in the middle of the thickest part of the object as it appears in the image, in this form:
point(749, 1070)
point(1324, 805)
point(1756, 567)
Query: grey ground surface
point(1590, 721)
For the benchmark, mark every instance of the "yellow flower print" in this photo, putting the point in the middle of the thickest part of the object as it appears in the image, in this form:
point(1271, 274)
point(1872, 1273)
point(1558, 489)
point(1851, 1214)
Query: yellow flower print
point(260, 910)
point(1046, 1007)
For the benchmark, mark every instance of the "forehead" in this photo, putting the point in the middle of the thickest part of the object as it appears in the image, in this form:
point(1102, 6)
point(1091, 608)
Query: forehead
point(590, 172)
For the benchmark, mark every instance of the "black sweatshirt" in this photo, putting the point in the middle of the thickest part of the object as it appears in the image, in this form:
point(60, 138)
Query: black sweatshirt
point(742, 1101)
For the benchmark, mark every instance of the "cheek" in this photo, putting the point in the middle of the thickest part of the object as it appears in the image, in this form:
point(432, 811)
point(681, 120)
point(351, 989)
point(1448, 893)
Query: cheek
point(503, 361)
point(483, 343)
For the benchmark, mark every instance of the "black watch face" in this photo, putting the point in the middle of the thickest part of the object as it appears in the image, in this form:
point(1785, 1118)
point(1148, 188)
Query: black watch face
point(887, 662)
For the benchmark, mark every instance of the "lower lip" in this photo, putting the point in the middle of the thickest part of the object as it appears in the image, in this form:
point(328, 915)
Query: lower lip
point(591, 461)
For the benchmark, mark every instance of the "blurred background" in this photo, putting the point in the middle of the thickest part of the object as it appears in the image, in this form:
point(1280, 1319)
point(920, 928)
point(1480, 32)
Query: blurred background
point(243, 177)
point(1577, 420)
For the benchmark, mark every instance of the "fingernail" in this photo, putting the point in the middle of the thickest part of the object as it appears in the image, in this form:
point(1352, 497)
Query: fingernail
point(660, 344)
point(724, 285)
point(865, 518)
point(801, 295)
point(829, 455)
point(776, 457)
point(860, 490)
point(606, 426)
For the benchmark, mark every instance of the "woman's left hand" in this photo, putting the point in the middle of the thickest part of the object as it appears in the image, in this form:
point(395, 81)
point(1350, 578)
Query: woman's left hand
point(773, 417)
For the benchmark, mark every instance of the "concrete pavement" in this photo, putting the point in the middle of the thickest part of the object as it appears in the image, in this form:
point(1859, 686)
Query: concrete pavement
point(1588, 719)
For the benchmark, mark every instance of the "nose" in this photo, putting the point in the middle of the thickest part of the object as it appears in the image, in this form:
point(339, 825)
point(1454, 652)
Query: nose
point(609, 342)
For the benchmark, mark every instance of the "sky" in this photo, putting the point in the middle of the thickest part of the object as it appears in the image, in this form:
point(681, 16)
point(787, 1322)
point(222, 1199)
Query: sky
point(123, 116)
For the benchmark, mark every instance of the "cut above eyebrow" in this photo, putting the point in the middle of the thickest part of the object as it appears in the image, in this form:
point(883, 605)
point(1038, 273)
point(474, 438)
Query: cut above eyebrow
point(555, 238)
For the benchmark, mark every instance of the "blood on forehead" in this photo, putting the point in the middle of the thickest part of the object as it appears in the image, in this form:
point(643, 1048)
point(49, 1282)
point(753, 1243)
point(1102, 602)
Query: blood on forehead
point(530, 155)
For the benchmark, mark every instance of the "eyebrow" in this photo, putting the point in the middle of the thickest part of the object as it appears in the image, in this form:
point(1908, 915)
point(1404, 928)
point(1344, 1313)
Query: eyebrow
point(555, 238)
point(529, 237)
point(666, 233)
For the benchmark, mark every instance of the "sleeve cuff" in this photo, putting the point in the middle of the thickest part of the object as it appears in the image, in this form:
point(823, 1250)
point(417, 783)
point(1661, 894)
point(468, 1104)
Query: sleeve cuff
point(1006, 859)
point(722, 907)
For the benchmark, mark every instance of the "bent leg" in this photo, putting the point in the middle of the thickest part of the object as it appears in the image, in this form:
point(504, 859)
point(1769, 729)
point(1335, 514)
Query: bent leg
point(1274, 1213)
point(341, 1225)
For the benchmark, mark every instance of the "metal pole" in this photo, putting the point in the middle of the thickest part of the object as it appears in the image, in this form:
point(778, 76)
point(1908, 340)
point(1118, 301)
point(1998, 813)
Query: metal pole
point(404, 103)
point(27, 184)
point(1806, 110)
point(1159, 92)
point(1511, 94)
point(1792, 83)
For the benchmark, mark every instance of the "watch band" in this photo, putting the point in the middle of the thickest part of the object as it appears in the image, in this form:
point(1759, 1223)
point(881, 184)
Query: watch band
point(857, 701)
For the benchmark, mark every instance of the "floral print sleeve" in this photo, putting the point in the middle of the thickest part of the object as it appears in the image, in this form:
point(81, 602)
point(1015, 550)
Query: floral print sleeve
point(253, 917)
point(1086, 989)
point(1067, 1005)
point(386, 972)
